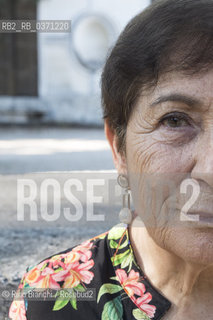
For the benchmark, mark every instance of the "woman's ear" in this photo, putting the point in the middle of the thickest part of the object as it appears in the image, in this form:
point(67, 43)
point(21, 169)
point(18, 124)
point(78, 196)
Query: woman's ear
point(119, 159)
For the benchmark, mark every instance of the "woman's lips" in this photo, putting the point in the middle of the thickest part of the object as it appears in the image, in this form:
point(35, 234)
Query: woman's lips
point(198, 218)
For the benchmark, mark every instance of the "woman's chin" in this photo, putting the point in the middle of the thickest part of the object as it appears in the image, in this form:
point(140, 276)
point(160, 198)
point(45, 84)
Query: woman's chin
point(196, 246)
point(193, 245)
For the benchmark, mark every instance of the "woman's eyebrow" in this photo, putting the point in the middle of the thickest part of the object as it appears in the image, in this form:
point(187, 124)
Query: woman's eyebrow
point(176, 97)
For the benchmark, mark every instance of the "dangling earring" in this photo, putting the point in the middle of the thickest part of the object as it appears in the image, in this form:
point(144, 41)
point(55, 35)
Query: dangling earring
point(125, 214)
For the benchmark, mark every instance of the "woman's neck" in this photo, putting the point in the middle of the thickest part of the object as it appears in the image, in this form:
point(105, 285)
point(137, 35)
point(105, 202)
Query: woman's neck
point(180, 281)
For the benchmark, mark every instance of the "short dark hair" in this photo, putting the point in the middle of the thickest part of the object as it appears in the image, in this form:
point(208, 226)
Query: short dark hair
point(170, 35)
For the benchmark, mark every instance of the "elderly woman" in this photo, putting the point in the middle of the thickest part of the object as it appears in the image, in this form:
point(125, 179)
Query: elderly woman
point(157, 89)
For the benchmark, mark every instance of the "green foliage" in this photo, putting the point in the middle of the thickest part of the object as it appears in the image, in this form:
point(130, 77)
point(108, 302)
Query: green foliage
point(116, 232)
point(120, 257)
point(108, 288)
point(113, 244)
point(79, 288)
point(73, 302)
point(59, 304)
point(140, 315)
point(113, 310)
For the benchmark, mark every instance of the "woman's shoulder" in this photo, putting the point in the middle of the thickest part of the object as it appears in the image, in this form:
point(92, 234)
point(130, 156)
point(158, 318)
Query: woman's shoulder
point(79, 258)
point(97, 279)
point(83, 253)
point(86, 265)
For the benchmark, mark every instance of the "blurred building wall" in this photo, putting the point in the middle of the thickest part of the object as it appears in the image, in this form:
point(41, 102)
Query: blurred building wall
point(19, 100)
point(50, 84)
point(72, 91)
point(18, 52)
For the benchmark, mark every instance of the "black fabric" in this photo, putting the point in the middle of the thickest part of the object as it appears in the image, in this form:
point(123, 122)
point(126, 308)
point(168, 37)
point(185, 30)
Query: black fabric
point(105, 264)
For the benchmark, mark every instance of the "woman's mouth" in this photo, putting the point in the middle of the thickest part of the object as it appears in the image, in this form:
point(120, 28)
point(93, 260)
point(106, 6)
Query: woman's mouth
point(200, 217)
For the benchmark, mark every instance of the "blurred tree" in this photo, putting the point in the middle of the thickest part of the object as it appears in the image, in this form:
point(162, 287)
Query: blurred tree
point(18, 51)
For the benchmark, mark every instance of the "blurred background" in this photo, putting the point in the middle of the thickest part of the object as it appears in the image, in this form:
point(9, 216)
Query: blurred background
point(51, 121)
point(50, 109)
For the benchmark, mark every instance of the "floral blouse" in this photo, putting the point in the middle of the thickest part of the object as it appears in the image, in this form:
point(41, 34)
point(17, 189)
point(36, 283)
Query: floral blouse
point(98, 279)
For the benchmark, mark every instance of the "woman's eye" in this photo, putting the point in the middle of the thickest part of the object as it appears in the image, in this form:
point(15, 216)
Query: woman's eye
point(174, 121)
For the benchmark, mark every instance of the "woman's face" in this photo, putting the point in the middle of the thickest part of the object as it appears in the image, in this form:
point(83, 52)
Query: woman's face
point(169, 160)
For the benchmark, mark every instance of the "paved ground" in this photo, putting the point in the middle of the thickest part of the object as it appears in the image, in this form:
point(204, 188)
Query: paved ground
point(53, 149)
point(24, 243)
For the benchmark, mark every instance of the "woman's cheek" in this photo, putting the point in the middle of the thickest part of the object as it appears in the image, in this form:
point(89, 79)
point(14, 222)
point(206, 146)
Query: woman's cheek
point(175, 137)
point(146, 154)
point(155, 175)
point(146, 177)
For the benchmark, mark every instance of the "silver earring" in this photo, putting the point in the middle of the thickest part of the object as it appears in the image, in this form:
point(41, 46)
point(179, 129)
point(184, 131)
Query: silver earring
point(125, 214)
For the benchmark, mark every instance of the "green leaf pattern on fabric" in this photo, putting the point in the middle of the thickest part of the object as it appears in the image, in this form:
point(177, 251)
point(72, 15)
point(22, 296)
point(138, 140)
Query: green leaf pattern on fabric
point(59, 304)
point(127, 261)
point(75, 278)
point(63, 299)
point(79, 288)
point(108, 288)
point(140, 315)
point(113, 310)
point(118, 240)
point(113, 244)
point(73, 302)
point(116, 232)
point(119, 258)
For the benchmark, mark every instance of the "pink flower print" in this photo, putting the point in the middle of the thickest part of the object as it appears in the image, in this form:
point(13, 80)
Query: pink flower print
point(83, 270)
point(131, 282)
point(49, 278)
point(72, 257)
point(55, 262)
point(32, 276)
point(84, 251)
point(17, 310)
point(142, 303)
point(79, 272)
point(41, 264)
